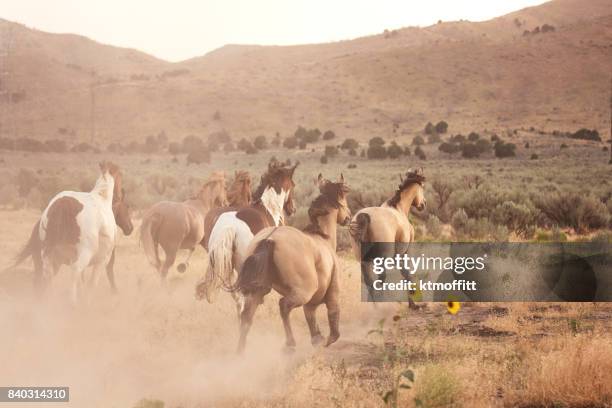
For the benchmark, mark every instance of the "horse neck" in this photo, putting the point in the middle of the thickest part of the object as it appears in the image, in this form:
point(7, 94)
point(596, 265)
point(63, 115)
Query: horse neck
point(202, 202)
point(274, 202)
point(328, 224)
point(239, 198)
point(104, 188)
point(406, 199)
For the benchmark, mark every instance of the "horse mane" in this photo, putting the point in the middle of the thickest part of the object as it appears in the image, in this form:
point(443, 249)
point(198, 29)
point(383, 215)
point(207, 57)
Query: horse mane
point(215, 177)
point(240, 193)
point(275, 168)
point(321, 205)
point(412, 177)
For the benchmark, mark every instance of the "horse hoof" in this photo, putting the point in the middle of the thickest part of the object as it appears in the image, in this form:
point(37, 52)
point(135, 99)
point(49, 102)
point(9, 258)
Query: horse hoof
point(181, 268)
point(317, 340)
point(332, 339)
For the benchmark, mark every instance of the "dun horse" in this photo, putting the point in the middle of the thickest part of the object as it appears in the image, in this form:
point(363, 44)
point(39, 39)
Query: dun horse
point(300, 265)
point(78, 229)
point(233, 228)
point(389, 222)
point(180, 225)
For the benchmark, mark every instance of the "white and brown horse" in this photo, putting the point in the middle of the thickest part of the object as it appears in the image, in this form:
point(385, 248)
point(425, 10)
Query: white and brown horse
point(389, 222)
point(233, 228)
point(301, 266)
point(180, 225)
point(78, 229)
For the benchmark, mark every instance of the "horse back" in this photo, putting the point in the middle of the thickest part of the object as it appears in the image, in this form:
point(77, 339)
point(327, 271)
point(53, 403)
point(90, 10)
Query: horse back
point(211, 219)
point(255, 217)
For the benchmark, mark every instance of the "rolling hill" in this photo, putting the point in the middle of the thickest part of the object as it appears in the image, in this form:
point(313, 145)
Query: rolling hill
point(473, 75)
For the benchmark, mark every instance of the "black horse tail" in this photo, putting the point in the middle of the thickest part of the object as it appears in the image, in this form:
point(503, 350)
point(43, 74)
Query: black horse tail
point(256, 273)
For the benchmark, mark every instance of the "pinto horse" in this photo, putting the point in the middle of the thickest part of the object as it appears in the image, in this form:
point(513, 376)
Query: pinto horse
point(389, 222)
point(180, 225)
point(301, 266)
point(78, 229)
point(233, 228)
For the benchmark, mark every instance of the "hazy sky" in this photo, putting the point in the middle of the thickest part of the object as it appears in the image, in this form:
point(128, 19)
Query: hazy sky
point(181, 29)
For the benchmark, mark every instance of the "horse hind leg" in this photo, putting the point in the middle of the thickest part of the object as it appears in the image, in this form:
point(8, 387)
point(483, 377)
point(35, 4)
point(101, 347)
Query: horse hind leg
point(110, 272)
point(333, 316)
point(286, 305)
point(168, 262)
point(251, 302)
point(311, 318)
point(182, 267)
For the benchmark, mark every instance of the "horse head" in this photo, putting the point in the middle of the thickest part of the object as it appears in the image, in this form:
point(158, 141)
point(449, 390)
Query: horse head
point(240, 192)
point(414, 179)
point(122, 213)
point(333, 196)
point(214, 190)
point(279, 177)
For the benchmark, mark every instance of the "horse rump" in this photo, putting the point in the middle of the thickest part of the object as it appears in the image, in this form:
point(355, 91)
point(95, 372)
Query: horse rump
point(255, 276)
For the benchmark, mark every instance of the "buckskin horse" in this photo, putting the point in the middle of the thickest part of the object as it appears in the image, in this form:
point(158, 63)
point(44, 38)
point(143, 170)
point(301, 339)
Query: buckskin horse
point(78, 229)
point(389, 222)
point(180, 225)
point(301, 266)
point(232, 229)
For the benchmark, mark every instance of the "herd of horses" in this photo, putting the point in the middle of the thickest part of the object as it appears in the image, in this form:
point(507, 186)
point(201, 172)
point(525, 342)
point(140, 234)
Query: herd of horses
point(251, 250)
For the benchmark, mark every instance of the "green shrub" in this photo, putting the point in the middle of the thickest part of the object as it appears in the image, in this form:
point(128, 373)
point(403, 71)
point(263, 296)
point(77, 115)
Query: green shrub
point(429, 129)
point(505, 149)
point(441, 127)
point(377, 152)
point(449, 148)
point(349, 143)
point(436, 387)
point(329, 135)
point(516, 217)
point(418, 152)
point(260, 142)
point(433, 225)
point(574, 210)
point(290, 142)
point(418, 140)
point(394, 151)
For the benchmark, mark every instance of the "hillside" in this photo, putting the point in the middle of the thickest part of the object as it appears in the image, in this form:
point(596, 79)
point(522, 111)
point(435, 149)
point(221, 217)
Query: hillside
point(473, 75)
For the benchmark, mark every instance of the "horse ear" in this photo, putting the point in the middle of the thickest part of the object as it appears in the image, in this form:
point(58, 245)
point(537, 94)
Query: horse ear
point(103, 166)
point(401, 178)
point(341, 178)
point(320, 179)
point(294, 167)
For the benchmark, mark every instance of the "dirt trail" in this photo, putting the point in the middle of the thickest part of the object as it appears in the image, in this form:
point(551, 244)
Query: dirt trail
point(152, 342)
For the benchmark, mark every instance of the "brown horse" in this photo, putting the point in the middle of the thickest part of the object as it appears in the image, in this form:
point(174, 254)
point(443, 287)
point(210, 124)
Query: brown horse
point(180, 225)
point(300, 265)
point(233, 228)
point(239, 194)
point(389, 222)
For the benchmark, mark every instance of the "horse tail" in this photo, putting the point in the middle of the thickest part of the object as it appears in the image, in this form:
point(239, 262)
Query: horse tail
point(359, 227)
point(255, 274)
point(220, 264)
point(31, 249)
point(150, 225)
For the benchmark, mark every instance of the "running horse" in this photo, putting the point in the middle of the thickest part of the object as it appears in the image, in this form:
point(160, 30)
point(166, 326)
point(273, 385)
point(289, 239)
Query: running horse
point(389, 222)
point(301, 266)
point(180, 225)
point(78, 229)
point(233, 228)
